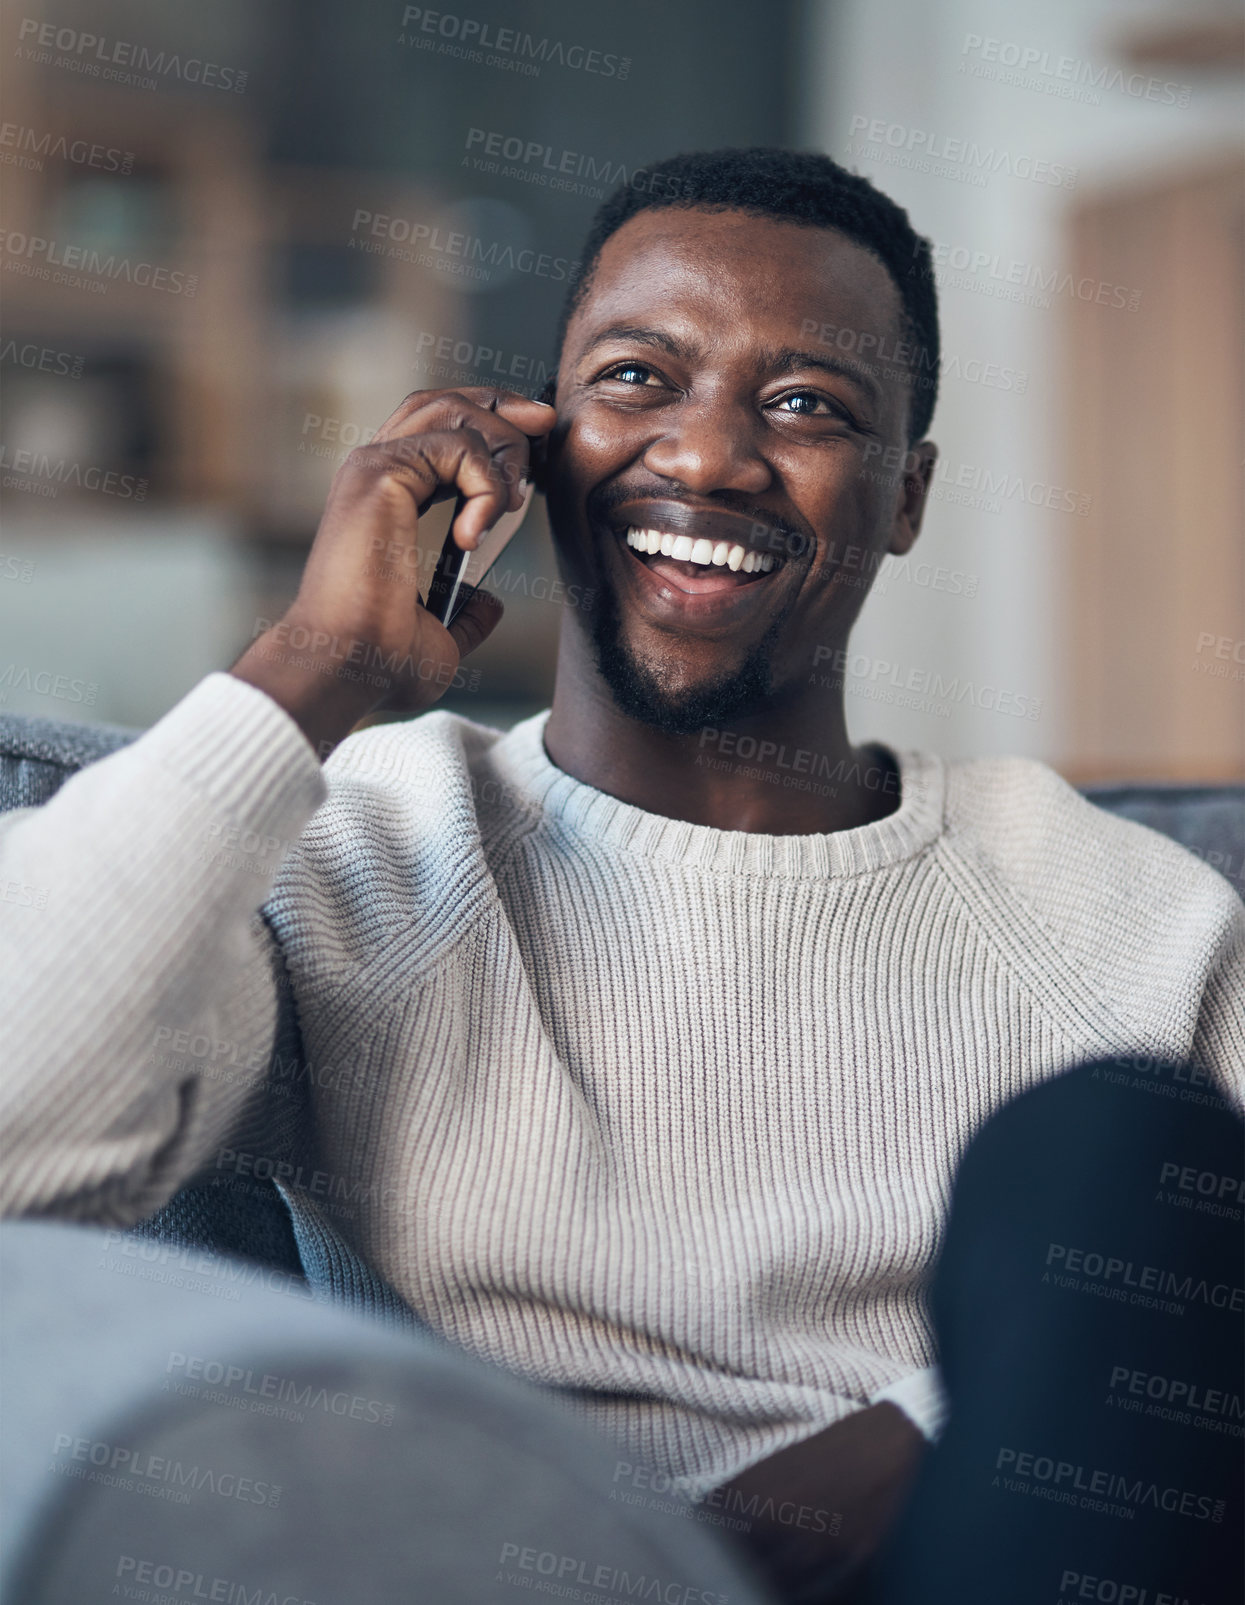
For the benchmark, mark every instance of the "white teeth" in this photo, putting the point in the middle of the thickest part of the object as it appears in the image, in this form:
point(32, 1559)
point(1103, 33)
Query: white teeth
point(686, 549)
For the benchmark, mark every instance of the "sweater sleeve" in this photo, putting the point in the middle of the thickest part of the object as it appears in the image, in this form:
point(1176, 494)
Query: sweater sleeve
point(921, 1398)
point(138, 983)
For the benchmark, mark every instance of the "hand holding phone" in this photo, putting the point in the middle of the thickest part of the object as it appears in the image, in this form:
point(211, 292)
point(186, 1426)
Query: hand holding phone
point(357, 636)
point(459, 574)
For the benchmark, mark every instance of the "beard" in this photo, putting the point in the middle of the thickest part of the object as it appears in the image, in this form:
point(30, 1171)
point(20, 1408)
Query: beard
point(644, 694)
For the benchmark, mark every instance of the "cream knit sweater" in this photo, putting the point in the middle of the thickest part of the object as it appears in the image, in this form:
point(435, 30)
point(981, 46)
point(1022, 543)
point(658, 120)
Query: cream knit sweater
point(661, 1116)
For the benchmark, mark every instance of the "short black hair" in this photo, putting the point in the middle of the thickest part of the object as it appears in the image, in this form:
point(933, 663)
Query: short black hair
point(795, 187)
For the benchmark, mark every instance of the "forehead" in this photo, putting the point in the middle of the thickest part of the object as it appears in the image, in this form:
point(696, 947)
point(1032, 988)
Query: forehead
point(733, 272)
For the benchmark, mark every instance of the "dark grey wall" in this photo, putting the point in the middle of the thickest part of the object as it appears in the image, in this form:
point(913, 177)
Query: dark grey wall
point(342, 91)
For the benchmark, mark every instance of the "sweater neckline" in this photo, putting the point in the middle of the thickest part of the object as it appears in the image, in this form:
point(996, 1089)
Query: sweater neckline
point(581, 809)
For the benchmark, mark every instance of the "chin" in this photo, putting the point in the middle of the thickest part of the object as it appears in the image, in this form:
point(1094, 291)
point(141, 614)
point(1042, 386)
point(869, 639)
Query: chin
point(645, 690)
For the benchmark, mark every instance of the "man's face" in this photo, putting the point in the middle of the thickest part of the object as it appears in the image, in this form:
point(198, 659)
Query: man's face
point(693, 401)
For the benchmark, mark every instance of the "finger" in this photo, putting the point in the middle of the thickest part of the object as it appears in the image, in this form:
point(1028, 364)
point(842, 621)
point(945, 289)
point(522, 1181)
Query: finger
point(455, 458)
point(480, 616)
point(532, 418)
point(508, 445)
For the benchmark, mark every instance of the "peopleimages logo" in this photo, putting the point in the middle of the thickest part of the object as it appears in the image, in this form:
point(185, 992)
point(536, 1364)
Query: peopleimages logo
point(138, 1572)
point(890, 465)
point(885, 358)
point(950, 156)
point(1005, 61)
point(1075, 1585)
point(353, 660)
point(43, 359)
point(21, 569)
point(1153, 1285)
point(533, 162)
point(82, 267)
point(247, 1383)
point(1175, 1398)
point(1015, 1468)
point(468, 356)
point(467, 38)
point(451, 251)
point(136, 1470)
point(343, 1194)
point(46, 476)
point(1143, 1073)
point(97, 57)
point(43, 683)
point(922, 690)
point(18, 892)
point(26, 147)
point(989, 272)
point(606, 1578)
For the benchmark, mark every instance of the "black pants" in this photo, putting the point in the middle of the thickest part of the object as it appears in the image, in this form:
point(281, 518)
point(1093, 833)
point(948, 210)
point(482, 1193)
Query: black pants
point(1089, 1305)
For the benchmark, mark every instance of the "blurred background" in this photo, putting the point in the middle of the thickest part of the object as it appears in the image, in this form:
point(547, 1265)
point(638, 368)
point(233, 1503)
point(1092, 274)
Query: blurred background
point(229, 251)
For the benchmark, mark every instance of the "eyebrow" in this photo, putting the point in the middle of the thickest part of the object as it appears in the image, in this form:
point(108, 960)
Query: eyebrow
point(790, 359)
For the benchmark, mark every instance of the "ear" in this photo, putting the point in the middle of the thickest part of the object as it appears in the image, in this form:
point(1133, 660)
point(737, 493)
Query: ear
point(918, 475)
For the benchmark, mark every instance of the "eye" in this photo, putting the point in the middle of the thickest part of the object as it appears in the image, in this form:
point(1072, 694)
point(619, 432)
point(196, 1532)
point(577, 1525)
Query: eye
point(629, 373)
point(810, 404)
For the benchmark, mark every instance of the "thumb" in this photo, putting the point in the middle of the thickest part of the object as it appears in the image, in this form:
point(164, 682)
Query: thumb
point(476, 622)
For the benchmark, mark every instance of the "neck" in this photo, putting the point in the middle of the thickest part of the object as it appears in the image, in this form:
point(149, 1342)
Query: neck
point(705, 778)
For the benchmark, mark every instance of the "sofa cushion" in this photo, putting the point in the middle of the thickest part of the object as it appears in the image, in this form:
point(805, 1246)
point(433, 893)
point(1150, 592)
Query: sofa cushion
point(37, 755)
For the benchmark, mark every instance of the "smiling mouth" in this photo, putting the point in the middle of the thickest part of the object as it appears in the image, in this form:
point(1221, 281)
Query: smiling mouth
point(697, 564)
point(690, 556)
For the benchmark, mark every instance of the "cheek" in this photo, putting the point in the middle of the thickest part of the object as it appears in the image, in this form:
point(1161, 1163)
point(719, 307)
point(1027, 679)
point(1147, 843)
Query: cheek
point(864, 501)
point(835, 498)
point(593, 449)
point(573, 453)
point(848, 511)
point(598, 438)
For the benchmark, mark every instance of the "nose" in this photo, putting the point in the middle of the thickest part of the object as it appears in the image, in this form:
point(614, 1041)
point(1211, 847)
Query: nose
point(709, 445)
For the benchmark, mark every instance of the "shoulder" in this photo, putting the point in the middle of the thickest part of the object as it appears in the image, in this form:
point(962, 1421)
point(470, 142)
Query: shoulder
point(410, 790)
point(1140, 920)
point(396, 843)
point(1019, 816)
point(416, 763)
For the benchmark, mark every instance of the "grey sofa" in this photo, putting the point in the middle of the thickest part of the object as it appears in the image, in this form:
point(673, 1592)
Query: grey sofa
point(38, 755)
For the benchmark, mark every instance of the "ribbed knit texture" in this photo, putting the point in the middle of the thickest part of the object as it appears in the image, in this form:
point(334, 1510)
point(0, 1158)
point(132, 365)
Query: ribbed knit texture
point(661, 1116)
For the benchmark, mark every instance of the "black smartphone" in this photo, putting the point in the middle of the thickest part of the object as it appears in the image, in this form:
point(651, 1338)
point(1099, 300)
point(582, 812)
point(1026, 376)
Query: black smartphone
point(458, 574)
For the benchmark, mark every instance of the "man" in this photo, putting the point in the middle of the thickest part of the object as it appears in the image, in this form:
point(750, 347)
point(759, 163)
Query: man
point(650, 1033)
